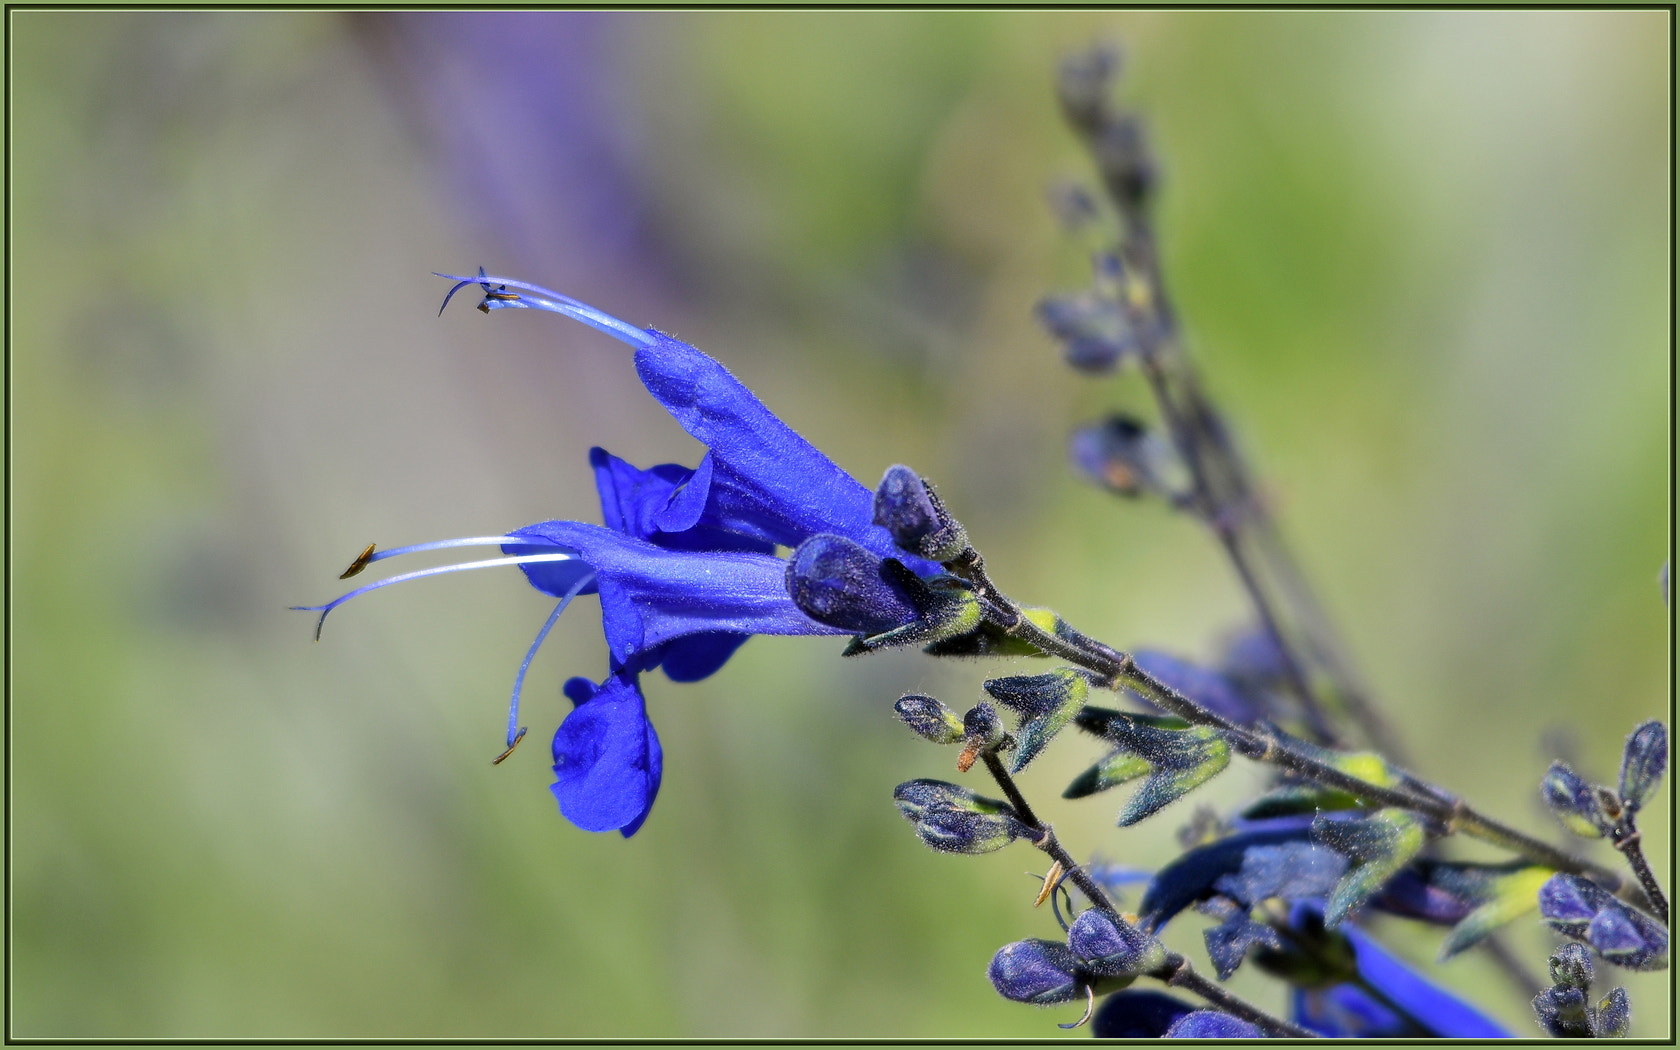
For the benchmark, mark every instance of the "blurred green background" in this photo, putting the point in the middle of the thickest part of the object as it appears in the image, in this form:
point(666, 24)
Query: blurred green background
point(1423, 259)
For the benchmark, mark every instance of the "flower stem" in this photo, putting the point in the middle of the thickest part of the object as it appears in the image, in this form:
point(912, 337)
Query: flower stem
point(1450, 813)
point(1627, 840)
point(1175, 969)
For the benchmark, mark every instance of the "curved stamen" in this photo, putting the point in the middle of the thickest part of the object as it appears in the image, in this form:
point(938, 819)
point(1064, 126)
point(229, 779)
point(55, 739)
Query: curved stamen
point(463, 541)
point(515, 731)
point(523, 559)
point(544, 299)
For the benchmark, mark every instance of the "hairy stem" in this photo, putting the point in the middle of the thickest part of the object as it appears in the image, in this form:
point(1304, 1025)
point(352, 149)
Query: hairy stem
point(1627, 840)
point(1176, 969)
point(1449, 813)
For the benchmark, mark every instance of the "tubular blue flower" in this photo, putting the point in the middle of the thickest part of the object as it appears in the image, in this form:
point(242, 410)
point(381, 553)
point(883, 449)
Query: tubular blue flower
point(685, 563)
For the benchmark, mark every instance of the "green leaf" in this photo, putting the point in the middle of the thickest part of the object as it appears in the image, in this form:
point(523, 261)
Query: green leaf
point(1378, 846)
point(1507, 897)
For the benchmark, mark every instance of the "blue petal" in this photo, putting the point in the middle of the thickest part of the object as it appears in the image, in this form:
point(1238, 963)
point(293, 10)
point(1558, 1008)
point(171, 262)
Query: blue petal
point(671, 506)
point(697, 656)
point(607, 759)
point(766, 474)
point(650, 595)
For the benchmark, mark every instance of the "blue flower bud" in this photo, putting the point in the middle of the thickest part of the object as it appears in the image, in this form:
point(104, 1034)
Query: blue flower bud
point(1644, 759)
point(1211, 1024)
point(1039, 972)
point(953, 819)
point(1123, 456)
point(929, 718)
point(1573, 802)
point(1083, 86)
point(840, 583)
point(1112, 948)
point(1579, 909)
point(1614, 1014)
point(1563, 1013)
point(910, 510)
point(1093, 330)
point(1571, 966)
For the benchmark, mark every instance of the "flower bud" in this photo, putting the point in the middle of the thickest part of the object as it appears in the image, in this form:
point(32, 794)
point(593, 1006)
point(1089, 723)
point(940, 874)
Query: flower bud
point(1572, 801)
point(1211, 1024)
point(1039, 972)
point(840, 583)
point(1580, 909)
point(1571, 966)
point(910, 510)
point(1613, 1015)
point(953, 819)
point(1092, 328)
point(1644, 759)
point(930, 719)
point(1111, 948)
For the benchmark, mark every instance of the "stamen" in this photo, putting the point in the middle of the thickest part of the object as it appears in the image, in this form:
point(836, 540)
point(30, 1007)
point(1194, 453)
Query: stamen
point(498, 759)
point(544, 299)
point(524, 559)
point(1052, 879)
point(515, 731)
point(463, 541)
point(359, 564)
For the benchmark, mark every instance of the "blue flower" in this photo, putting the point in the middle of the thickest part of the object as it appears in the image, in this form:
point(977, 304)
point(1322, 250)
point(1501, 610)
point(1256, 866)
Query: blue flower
point(685, 563)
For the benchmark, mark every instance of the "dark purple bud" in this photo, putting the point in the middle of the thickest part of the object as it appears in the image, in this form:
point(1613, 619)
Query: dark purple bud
point(840, 583)
point(1137, 1015)
point(1127, 170)
point(1644, 760)
point(910, 510)
point(1039, 972)
point(1571, 966)
point(981, 726)
point(953, 819)
point(1083, 86)
point(1093, 329)
point(1579, 909)
point(1569, 902)
point(1113, 948)
point(1211, 1024)
point(1572, 801)
point(1562, 1013)
point(929, 718)
point(1613, 1016)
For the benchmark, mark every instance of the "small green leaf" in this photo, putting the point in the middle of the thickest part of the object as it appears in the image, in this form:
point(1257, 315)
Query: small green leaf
point(1507, 897)
point(1378, 846)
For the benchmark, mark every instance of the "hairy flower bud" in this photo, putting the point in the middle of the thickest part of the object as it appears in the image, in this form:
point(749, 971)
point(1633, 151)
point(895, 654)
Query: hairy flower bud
point(1644, 760)
point(838, 582)
point(1573, 802)
point(930, 719)
point(1037, 971)
point(953, 819)
point(910, 510)
point(1111, 948)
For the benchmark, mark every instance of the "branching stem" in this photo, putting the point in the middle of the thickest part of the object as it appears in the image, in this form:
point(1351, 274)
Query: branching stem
point(1175, 970)
point(1449, 813)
